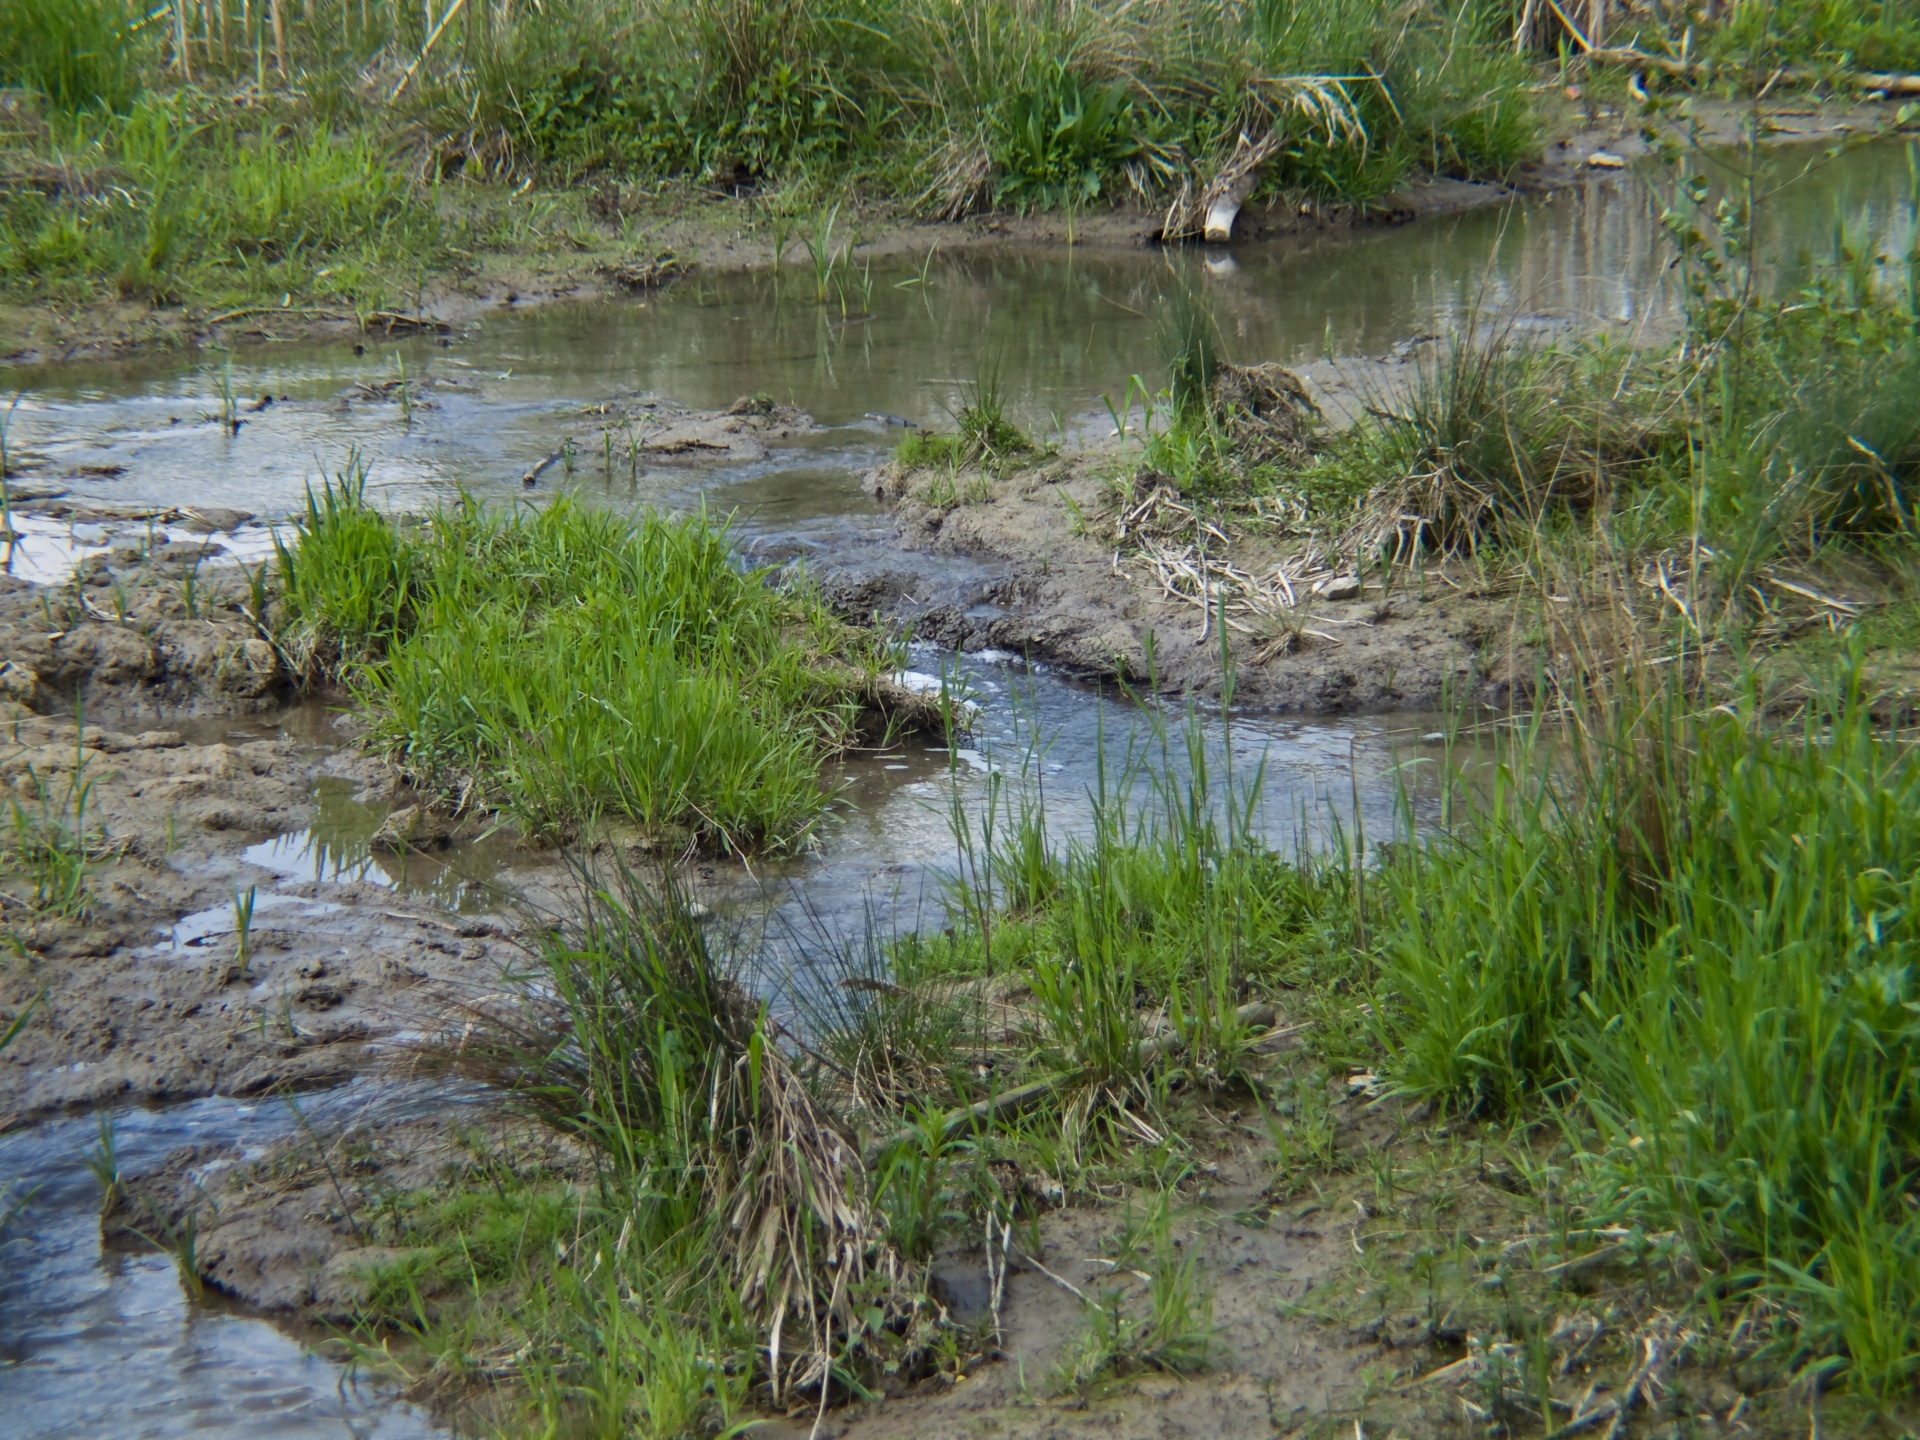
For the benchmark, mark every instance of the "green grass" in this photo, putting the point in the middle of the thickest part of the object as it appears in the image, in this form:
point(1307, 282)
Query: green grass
point(53, 843)
point(181, 197)
point(1657, 974)
point(566, 665)
point(1877, 35)
point(983, 434)
point(274, 164)
point(1692, 940)
point(716, 1234)
point(1168, 1328)
point(1139, 940)
point(264, 174)
point(87, 56)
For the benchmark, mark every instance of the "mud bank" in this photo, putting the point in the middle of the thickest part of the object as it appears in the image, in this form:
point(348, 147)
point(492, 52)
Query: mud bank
point(299, 1232)
point(1064, 595)
point(295, 1231)
point(145, 991)
point(129, 611)
point(150, 768)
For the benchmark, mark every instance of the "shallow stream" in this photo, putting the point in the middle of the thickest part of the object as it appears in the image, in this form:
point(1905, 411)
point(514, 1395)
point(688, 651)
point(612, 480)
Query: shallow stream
point(96, 1343)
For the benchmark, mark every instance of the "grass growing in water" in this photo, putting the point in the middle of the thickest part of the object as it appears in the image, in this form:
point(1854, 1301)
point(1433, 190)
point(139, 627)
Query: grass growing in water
point(565, 664)
point(1671, 970)
point(983, 433)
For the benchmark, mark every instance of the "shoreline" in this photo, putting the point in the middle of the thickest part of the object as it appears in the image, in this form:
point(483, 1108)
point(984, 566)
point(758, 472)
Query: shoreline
point(726, 236)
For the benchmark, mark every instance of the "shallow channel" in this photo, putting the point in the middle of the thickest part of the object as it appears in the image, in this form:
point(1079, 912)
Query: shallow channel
point(95, 1342)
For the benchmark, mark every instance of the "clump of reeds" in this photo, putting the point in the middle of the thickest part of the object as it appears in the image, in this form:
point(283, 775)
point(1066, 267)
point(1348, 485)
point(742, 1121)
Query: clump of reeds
point(568, 664)
point(639, 1038)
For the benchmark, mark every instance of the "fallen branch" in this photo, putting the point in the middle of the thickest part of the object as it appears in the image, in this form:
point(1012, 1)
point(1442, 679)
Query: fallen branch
point(388, 320)
point(532, 477)
point(305, 312)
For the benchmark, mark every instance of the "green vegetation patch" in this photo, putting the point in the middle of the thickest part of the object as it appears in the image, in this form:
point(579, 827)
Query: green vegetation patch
point(257, 155)
point(1700, 950)
point(180, 197)
point(566, 663)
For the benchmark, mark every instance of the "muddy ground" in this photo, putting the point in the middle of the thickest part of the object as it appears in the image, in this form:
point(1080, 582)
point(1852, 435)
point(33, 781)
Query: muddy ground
point(286, 1233)
point(144, 718)
point(1307, 1281)
point(151, 736)
point(1072, 597)
point(144, 995)
point(719, 232)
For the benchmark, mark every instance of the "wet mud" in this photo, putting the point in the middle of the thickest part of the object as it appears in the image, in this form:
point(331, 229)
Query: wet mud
point(295, 1231)
point(146, 991)
point(1062, 594)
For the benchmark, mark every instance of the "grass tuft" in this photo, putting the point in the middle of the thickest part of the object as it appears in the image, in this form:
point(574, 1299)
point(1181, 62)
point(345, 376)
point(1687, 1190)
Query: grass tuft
point(566, 665)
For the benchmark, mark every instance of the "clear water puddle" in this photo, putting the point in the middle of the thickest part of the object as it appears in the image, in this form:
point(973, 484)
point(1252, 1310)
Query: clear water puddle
point(222, 922)
point(95, 1343)
point(470, 876)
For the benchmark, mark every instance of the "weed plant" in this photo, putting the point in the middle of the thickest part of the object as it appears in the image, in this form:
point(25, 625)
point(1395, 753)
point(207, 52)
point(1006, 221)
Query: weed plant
point(983, 433)
point(728, 1236)
point(55, 842)
point(567, 664)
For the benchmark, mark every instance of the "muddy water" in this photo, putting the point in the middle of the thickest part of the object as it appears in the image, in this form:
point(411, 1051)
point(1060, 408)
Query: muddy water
point(99, 1343)
point(1058, 330)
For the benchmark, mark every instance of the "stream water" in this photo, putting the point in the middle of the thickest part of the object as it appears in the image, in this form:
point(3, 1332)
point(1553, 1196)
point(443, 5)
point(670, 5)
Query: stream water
point(95, 1343)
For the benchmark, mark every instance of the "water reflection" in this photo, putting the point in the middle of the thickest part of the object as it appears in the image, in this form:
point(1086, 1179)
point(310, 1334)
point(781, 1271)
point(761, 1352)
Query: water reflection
point(337, 847)
point(100, 1342)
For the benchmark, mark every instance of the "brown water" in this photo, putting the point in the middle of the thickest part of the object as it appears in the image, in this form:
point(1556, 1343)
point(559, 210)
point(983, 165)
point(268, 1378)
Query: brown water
point(1057, 329)
point(97, 1343)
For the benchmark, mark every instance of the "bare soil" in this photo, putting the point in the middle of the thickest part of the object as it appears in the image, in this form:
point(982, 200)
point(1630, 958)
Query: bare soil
point(283, 1233)
point(142, 998)
point(1073, 599)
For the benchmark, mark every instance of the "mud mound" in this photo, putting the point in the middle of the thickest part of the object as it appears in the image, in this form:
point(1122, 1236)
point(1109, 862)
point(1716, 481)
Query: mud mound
point(1268, 411)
